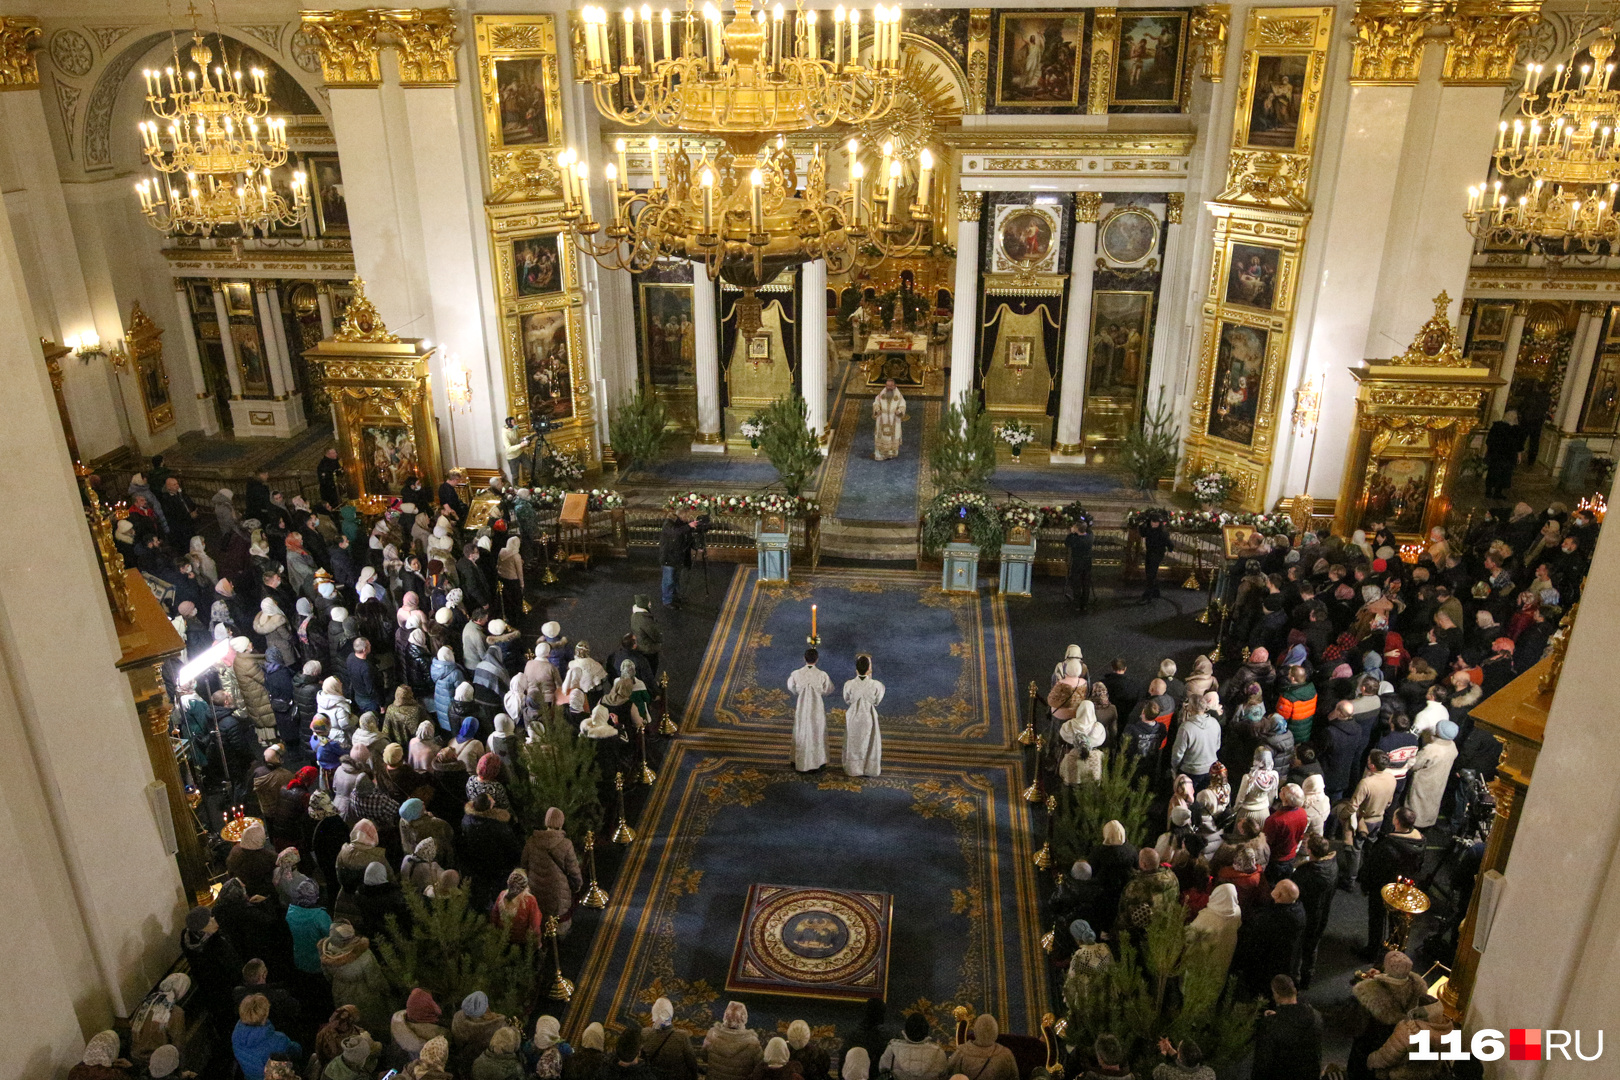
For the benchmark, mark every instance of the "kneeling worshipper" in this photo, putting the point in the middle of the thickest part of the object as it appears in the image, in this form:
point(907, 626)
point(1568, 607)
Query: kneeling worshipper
point(809, 685)
point(863, 742)
point(888, 413)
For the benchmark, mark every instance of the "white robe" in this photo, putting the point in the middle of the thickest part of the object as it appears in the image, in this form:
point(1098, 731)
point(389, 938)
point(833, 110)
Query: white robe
point(888, 411)
point(863, 742)
point(809, 684)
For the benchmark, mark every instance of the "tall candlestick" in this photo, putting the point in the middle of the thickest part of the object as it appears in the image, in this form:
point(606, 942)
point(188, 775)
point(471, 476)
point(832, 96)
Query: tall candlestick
point(812, 620)
point(855, 37)
point(838, 37)
point(627, 40)
point(669, 53)
point(707, 181)
point(646, 33)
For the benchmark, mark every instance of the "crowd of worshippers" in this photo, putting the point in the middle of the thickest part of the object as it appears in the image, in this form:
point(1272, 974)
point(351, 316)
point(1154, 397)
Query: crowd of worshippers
point(1281, 783)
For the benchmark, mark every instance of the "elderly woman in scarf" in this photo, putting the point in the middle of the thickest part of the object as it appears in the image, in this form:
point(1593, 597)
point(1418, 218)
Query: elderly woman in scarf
point(669, 1051)
point(627, 699)
point(1084, 735)
point(1216, 927)
point(982, 1056)
point(544, 1054)
point(420, 868)
point(734, 1051)
point(517, 911)
point(509, 574)
point(287, 877)
point(101, 1060)
point(1090, 959)
point(486, 779)
point(1258, 788)
point(159, 1020)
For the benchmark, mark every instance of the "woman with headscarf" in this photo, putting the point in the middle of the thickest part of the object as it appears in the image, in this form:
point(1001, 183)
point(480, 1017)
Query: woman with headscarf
point(733, 1050)
point(402, 718)
point(423, 747)
point(420, 869)
point(1090, 959)
point(587, 1059)
point(361, 851)
point(1070, 677)
point(982, 1057)
point(330, 702)
point(289, 824)
point(545, 1052)
point(342, 1025)
point(271, 624)
point(287, 876)
point(1073, 652)
point(509, 571)
point(516, 911)
point(100, 1060)
point(486, 778)
point(668, 1051)
point(308, 923)
point(627, 699)
point(159, 1020)
point(1202, 679)
point(1216, 927)
point(447, 677)
point(416, 1025)
point(202, 565)
point(1112, 865)
point(778, 1063)
point(553, 868)
point(1258, 788)
point(1084, 737)
point(1106, 712)
point(1244, 874)
point(466, 720)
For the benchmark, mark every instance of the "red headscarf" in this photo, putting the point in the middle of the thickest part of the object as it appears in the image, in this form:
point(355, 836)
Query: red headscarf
point(304, 778)
point(489, 768)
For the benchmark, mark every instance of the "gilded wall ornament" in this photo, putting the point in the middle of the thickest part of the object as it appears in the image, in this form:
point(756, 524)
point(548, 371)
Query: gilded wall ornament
point(1173, 203)
point(1087, 205)
point(969, 205)
point(347, 43)
point(1389, 40)
point(1485, 38)
point(361, 320)
point(1210, 25)
point(1436, 343)
point(978, 60)
point(1105, 26)
point(426, 39)
point(19, 67)
point(1267, 178)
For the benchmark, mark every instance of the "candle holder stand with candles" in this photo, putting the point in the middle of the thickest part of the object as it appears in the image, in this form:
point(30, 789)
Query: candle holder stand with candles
point(624, 834)
point(562, 988)
point(667, 725)
point(646, 776)
point(595, 896)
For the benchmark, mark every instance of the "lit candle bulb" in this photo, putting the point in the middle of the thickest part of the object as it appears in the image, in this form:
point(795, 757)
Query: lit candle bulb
point(894, 189)
point(582, 175)
point(838, 37)
point(757, 180)
point(1501, 136)
point(813, 33)
point(812, 620)
point(611, 171)
point(619, 150)
point(627, 40)
point(669, 51)
point(925, 175)
point(857, 181)
point(888, 158)
point(776, 37)
point(647, 33)
point(854, 37)
point(657, 171)
point(593, 50)
point(706, 180)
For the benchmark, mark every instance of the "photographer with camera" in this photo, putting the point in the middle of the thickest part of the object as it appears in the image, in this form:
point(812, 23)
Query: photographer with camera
point(516, 444)
point(675, 546)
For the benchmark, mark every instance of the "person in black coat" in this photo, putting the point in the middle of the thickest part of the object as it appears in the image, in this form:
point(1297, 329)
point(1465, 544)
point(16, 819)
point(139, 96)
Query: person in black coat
point(215, 965)
point(674, 554)
point(487, 850)
point(1341, 745)
point(1113, 864)
point(255, 927)
point(328, 473)
point(1155, 533)
point(1269, 940)
point(1079, 543)
point(1397, 853)
point(1503, 443)
point(1317, 879)
point(1287, 1038)
point(179, 512)
point(362, 683)
point(278, 682)
point(379, 898)
point(475, 591)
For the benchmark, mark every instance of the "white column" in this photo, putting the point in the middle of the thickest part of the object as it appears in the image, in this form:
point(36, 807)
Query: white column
point(1510, 357)
point(1551, 943)
point(813, 345)
point(706, 341)
point(1077, 331)
point(323, 304)
point(1171, 279)
point(965, 296)
point(207, 419)
point(272, 299)
point(225, 343)
point(272, 347)
point(1579, 371)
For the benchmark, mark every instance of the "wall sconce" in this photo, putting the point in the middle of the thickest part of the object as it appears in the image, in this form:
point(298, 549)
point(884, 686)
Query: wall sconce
point(1308, 405)
point(458, 388)
point(89, 345)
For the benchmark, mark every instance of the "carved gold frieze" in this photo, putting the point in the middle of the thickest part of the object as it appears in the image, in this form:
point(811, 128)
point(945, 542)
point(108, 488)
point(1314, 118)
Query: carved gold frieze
point(1210, 25)
point(19, 66)
point(1280, 98)
point(1437, 343)
point(1267, 178)
point(978, 60)
point(361, 320)
point(426, 39)
point(1485, 40)
point(1104, 29)
point(969, 205)
point(1172, 207)
point(1090, 143)
point(1087, 206)
point(348, 44)
point(1389, 40)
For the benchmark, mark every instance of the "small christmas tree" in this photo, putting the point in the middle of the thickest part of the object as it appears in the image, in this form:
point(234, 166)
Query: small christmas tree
point(963, 457)
point(1120, 794)
point(787, 440)
point(450, 950)
point(559, 769)
point(636, 431)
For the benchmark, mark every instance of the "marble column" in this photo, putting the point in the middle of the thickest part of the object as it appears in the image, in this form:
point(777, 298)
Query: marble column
point(1510, 357)
point(1164, 320)
point(1576, 376)
point(207, 418)
point(965, 296)
point(272, 299)
point(813, 358)
point(272, 347)
point(1077, 331)
point(225, 343)
point(323, 304)
point(706, 341)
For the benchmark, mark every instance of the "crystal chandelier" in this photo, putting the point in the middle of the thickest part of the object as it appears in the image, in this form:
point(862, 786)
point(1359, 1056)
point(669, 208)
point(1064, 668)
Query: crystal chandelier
point(739, 207)
point(219, 140)
point(1564, 145)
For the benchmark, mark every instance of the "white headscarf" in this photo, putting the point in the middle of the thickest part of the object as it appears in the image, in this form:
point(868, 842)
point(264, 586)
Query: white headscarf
point(1224, 901)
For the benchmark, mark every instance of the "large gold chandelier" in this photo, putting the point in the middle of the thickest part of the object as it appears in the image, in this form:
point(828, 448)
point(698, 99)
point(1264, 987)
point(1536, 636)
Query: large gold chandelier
point(1564, 143)
point(213, 158)
point(739, 208)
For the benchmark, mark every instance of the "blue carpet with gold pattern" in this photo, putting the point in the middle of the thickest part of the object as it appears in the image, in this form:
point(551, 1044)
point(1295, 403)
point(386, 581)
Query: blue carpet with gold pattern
point(947, 843)
point(945, 659)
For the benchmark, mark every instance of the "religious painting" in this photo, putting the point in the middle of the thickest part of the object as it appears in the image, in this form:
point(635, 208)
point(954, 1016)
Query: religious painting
point(544, 339)
point(521, 87)
point(537, 268)
point(668, 335)
point(1020, 351)
point(1251, 276)
point(1150, 58)
point(389, 457)
point(1027, 239)
point(1128, 236)
point(251, 362)
point(1602, 406)
point(1240, 366)
point(238, 298)
point(1277, 97)
point(154, 387)
point(1398, 493)
point(1121, 328)
point(1491, 322)
point(331, 206)
point(1235, 539)
point(1611, 333)
point(1039, 60)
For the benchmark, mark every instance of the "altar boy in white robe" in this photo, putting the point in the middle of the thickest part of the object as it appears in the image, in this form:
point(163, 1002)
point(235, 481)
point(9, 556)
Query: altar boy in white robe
point(809, 685)
point(863, 742)
point(888, 415)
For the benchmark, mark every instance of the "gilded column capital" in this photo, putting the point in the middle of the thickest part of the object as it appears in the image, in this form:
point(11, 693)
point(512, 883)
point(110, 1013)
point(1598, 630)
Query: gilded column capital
point(1594, 308)
point(1485, 39)
point(1087, 206)
point(347, 44)
point(1210, 26)
point(426, 39)
point(19, 67)
point(1173, 203)
point(969, 204)
point(1521, 308)
point(1389, 41)
point(978, 60)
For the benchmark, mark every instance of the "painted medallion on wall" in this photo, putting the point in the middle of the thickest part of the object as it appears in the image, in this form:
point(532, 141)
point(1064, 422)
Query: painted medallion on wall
point(1150, 57)
point(1240, 366)
point(1026, 239)
point(544, 337)
point(1129, 236)
point(1039, 60)
point(537, 266)
point(521, 84)
point(1251, 276)
point(1279, 92)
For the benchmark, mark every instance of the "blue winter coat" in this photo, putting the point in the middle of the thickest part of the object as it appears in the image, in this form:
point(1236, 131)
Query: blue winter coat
point(254, 1043)
point(447, 676)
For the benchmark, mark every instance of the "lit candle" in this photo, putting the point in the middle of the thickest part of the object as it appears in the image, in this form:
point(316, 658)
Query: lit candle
point(612, 173)
point(669, 52)
point(776, 38)
point(924, 176)
point(812, 620)
point(894, 189)
point(857, 181)
point(852, 148)
point(888, 159)
point(838, 37)
point(757, 179)
point(627, 40)
point(1501, 136)
point(582, 178)
point(657, 173)
point(646, 33)
point(854, 37)
point(567, 178)
point(619, 149)
point(707, 181)
point(813, 32)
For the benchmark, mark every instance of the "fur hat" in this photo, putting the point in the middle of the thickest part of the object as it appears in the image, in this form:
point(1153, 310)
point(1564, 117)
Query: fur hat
point(1397, 964)
point(376, 874)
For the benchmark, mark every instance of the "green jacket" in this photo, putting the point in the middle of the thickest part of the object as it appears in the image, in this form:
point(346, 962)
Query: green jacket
point(492, 1066)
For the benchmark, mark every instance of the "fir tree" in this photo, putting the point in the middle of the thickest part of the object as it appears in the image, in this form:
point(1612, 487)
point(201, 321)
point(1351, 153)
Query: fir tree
point(1120, 794)
point(1153, 449)
point(450, 950)
point(963, 457)
point(636, 431)
point(793, 449)
point(559, 769)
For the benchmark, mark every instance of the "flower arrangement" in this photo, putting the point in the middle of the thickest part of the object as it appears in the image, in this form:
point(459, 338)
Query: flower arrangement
point(1061, 517)
point(970, 508)
point(1016, 434)
point(1210, 521)
point(743, 505)
point(1213, 487)
point(691, 500)
point(550, 498)
point(1020, 515)
point(751, 429)
point(566, 468)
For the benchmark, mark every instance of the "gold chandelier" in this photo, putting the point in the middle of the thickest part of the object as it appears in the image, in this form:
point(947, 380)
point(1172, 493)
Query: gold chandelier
point(1564, 144)
point(223, 144)
point(739, 208)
